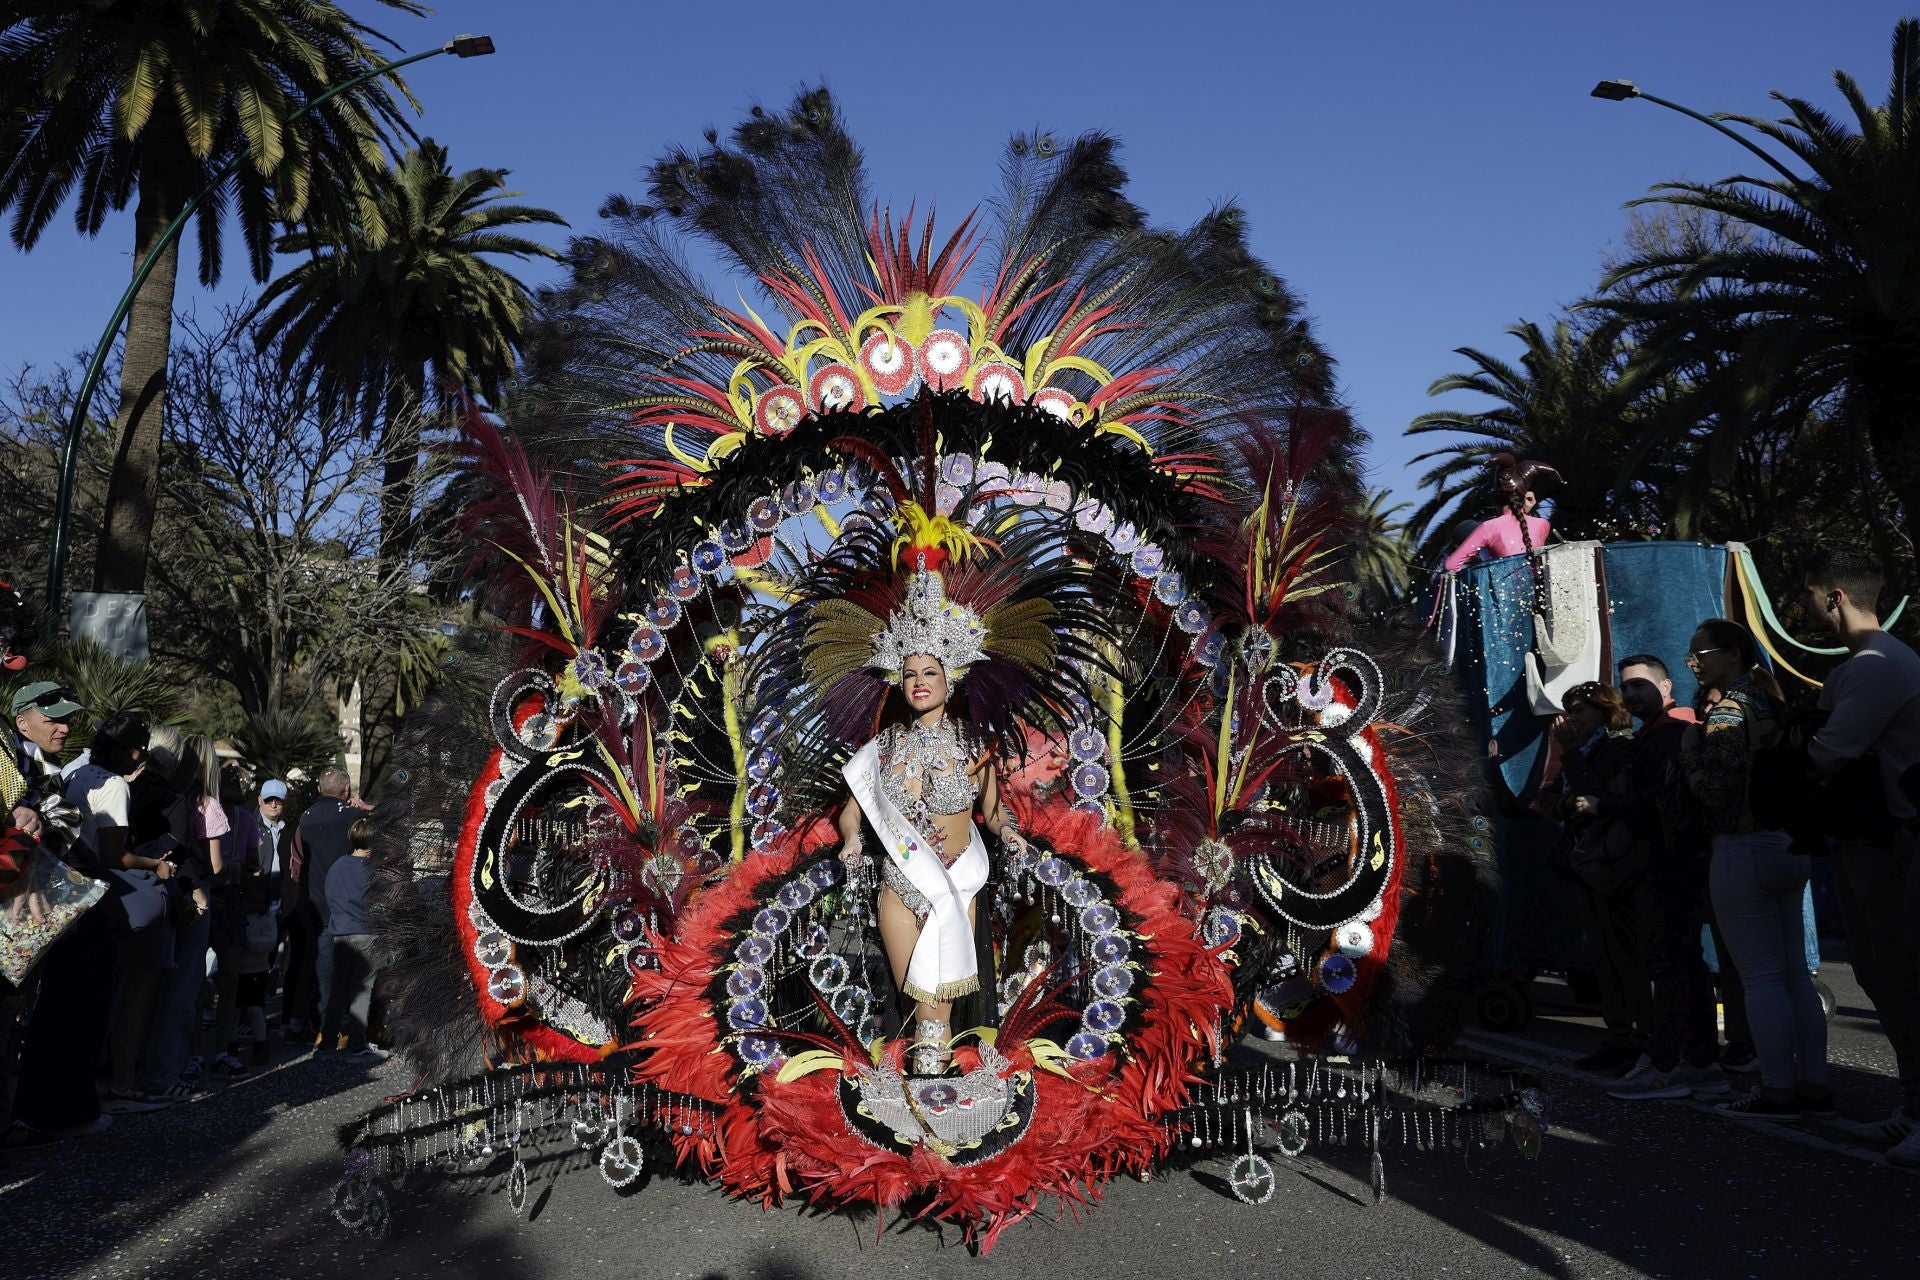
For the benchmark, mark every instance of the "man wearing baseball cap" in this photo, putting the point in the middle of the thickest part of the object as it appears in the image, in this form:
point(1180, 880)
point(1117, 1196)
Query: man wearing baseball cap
point(275, 835)
point(43, 715)
point(36, 810)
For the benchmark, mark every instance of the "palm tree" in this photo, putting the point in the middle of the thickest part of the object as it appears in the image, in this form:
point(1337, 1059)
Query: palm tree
point(284, 743)
point(1382, 553)
point(370, 315)
point(114, 100)
point(1817, 312)
point(1565, 403)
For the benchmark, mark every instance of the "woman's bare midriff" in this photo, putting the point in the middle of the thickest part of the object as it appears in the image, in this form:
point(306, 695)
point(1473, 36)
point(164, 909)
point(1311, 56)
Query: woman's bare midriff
point(957, 828)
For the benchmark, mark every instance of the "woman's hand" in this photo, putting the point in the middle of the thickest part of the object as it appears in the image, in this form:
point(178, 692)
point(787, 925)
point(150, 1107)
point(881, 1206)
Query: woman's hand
point(1586, 806)
point(853, 852)
point(1012, 841)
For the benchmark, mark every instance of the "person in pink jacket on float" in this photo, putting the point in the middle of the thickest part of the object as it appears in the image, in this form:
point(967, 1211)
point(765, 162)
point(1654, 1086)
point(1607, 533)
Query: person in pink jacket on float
point(1503, 535)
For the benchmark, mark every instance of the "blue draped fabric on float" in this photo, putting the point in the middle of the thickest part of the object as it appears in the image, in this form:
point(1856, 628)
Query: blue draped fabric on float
point(1657, 593)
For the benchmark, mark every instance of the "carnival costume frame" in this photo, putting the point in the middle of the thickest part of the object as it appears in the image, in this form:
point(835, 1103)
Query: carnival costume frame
point(1116, 475)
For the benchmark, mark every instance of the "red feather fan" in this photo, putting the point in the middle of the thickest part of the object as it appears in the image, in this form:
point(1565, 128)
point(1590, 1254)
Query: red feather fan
point(774, 1139)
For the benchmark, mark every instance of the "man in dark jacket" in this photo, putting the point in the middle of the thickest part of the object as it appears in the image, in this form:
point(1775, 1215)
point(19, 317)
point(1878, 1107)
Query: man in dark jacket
point(322, 841)
point(1683, 1041)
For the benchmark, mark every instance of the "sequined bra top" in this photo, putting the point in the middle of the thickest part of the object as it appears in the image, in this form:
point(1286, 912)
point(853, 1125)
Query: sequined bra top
point(937, 761)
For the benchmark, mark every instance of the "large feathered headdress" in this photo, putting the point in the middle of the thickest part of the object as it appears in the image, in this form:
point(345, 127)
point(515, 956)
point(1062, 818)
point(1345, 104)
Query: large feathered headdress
point(998, 612)
point(929, 623)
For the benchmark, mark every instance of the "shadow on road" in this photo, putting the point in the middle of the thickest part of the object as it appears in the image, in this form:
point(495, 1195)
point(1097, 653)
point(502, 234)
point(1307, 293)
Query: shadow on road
point(237, 1183)
point(1665, 1190)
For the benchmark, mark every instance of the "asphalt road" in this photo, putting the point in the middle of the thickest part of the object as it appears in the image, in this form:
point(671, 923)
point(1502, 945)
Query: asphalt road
point(238, 1184)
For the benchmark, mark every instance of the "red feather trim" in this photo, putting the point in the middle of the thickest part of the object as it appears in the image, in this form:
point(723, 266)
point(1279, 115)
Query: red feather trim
point(518, 1035)
point(774, 1139)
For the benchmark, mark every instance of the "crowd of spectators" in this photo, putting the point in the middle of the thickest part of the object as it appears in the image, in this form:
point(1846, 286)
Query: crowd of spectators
point(1699, 827)
point(207, 906)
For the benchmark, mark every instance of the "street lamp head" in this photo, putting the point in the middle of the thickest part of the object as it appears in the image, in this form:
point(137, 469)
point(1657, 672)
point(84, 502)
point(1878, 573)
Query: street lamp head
point(1616, 90)
point(470, 46)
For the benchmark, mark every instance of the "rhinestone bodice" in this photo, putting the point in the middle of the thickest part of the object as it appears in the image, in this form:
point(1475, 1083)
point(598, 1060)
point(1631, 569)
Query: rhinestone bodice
point(924, 774)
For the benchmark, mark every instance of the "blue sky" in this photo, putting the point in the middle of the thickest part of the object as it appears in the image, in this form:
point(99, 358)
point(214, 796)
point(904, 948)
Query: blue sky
point(1423, 174)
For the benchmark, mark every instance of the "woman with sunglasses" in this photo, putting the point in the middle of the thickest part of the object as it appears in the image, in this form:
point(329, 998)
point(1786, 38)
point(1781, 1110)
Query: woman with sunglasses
point(1755, 878)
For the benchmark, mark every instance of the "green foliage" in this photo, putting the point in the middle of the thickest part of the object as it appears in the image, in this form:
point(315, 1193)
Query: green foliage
point(1382, 551)
point(285, 744)
point(364, 314)
point(1749, 368)
point(1566, 402)
point(160, 100)
point(115, 98)
point(1812, 311)
point(422, 655)
point(104, 685)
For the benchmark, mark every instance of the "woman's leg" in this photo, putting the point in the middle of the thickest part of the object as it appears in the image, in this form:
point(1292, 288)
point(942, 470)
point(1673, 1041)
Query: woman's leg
point(226, 1006)
point(899, 933)
point(176, 1010)
point(1784, 875)
point(1749, 917)
point(133, 998)
point(323, 984)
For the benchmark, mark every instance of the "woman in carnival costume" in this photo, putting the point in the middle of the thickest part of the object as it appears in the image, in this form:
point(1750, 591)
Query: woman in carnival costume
point(720, 809)
point(919, 783)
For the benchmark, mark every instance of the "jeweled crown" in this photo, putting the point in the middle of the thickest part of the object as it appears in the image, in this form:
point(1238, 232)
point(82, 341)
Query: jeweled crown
point(930, 623)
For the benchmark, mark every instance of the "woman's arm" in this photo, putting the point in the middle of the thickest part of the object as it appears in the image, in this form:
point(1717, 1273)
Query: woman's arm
point(1482, 534)
point(992, 816)
point(996, 817)
point(112, 845)
point(850, 840)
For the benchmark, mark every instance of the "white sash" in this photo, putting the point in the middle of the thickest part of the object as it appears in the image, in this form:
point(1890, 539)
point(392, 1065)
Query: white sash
point(943, 965)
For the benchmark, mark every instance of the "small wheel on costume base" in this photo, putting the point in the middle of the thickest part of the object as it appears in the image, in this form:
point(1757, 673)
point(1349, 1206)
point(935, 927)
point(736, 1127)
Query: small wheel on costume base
point(1291, 1132)
point(621, 1161)
point(1252, 1179)
point(360, 1203)
point(517, 1186)
point(1501, 1006)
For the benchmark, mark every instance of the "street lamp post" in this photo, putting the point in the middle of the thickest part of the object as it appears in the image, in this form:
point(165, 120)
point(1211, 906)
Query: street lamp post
point(459, 46)
point(1622, 90)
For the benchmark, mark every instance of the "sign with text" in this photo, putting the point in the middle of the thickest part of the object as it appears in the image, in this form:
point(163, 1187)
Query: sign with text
point(117, 620)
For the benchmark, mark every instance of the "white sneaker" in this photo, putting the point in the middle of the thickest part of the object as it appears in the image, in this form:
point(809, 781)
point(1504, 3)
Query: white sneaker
point(1706, 1082)
point(1633, 1074)
point(1906, 1152)
point(1638, 1086)
point(1897, 1127)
